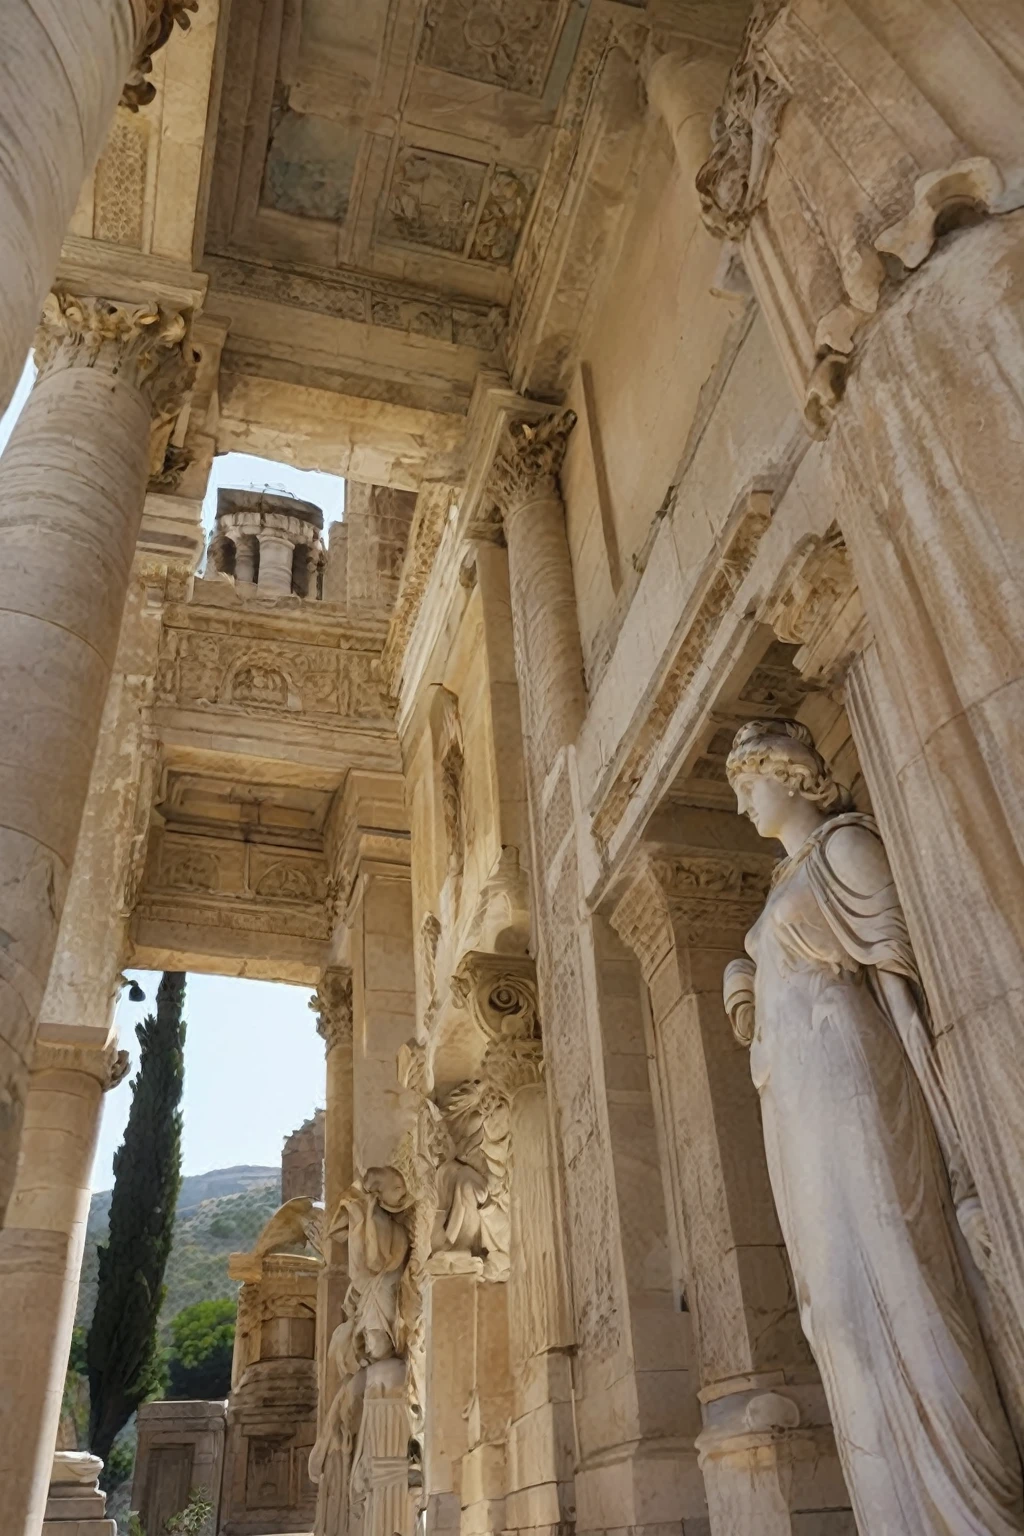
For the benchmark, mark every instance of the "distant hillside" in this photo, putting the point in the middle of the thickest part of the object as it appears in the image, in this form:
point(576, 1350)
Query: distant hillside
point(218, 1213)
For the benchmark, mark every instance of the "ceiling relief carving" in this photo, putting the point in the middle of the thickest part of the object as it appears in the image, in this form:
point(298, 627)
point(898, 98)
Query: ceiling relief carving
point(509, 43)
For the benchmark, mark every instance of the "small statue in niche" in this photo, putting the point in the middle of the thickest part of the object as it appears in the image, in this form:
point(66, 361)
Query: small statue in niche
point(873, 1193)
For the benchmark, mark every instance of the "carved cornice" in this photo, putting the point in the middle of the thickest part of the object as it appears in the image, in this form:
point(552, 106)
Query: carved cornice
point(156, 21)
point(724, 572)
point(529, 460)
point(145, 344)
point(731, 182)
point(689, 896)
point(332, 1004)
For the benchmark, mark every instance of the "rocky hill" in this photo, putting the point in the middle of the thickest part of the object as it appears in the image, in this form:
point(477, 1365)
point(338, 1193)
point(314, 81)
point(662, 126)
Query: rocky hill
point(218, 1213)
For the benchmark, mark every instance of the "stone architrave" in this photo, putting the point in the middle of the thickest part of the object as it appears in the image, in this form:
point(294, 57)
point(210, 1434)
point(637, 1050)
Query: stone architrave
point(72, 487)
point(61, 71)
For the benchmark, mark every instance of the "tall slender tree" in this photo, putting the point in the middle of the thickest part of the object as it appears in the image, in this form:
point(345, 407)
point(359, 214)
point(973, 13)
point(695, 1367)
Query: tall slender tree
point(122, 1355)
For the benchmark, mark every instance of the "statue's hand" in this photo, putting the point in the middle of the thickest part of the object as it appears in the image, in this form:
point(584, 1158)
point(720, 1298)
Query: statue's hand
point(973, 1224)
point(738, 995)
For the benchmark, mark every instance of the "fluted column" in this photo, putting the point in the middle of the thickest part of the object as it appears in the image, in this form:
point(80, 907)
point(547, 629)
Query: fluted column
point(72, 486)
point(332, 1004)
point(40, 1260)
point(62, 69)
point(547, 636)
point(875, 189)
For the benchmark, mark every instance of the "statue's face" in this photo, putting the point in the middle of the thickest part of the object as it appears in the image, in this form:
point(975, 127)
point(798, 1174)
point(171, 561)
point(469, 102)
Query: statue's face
point(767, 802)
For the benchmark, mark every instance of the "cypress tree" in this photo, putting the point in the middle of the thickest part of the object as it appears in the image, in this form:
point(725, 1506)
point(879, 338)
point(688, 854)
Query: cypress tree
point(122, 1354)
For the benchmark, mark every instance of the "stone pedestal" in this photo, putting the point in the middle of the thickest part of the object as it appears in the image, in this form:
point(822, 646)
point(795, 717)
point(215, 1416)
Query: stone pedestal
point(272, 1410)
point(41, 1256)
point(72, 485)
point(75, 1506)
point(180, 1447)
point(381, 1471)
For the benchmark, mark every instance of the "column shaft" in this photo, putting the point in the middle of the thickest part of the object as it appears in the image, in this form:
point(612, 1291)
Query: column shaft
point(62, 69)
point(40, 1261)
point(276, 555)
point(333, 1007)
point(72, 485)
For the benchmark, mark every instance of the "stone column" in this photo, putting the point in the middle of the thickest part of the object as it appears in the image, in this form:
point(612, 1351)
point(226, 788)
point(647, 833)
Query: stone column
point(622, 1413)
point(875, 191)
point(277, 552)
point(62, 69)
point(41, 1256)
point(766, 1450)
point(245, 559)
point(332, 1004)
point(72, 485)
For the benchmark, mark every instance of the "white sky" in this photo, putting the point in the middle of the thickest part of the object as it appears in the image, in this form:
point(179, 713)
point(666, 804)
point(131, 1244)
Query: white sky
point(254, 1064)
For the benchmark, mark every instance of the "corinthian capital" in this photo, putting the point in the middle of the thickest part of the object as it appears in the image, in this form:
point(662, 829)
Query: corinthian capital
point(146, 345)
point(155, 22)
point(529, 460)
point(332, 1004)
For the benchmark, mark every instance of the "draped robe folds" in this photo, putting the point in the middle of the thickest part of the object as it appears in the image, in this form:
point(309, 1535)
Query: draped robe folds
point(859, 1137)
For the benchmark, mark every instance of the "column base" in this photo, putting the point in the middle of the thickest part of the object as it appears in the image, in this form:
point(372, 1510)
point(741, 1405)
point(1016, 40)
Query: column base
point(770, 1464)
point(74, 1505)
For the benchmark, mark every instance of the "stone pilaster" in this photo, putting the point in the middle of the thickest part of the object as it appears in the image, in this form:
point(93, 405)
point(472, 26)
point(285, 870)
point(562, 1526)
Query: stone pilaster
point(874, 191)
point(72, 487)
point(766, 1448)
point(62, 69)
point(41, 1255)
point(332, 1004)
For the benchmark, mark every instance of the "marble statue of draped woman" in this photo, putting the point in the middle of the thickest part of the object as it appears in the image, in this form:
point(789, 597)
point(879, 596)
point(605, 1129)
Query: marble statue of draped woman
point(864, 1161)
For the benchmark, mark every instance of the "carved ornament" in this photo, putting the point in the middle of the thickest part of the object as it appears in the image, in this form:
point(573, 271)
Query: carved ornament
point(731, 182)
point(332, 1004)
point(108, 1065)
point(688, 897)
point(819, 607)
point(156, 21)
point(725, 570)
point(145, 344)
point(529, 460)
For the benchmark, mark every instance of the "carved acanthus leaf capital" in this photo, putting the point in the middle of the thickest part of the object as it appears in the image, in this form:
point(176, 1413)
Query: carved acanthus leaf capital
point(730, 183)
point(145, 344)
point(108, 1065)
point(529, 460)
point(332, 1004)
point(156, 20)
point(684, 896)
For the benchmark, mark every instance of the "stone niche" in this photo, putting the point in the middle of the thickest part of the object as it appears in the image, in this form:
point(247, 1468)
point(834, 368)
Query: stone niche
point(181, 1447)
point(271, 1422)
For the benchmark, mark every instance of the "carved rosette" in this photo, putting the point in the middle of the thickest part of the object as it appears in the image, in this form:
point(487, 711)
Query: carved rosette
point(156, 20)
point(500, 991)
point(688, 897)
point(730, 183)
point(529, 460)
point(332, 1004)
point(145, 344)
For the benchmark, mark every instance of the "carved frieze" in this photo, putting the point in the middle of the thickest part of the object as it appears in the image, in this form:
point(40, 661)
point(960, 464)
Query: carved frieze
point(272, 676)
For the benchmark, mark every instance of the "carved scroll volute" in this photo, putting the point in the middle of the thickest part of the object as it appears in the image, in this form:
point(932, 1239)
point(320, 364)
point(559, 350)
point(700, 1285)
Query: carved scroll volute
point(332, 1004)
point(500, 992)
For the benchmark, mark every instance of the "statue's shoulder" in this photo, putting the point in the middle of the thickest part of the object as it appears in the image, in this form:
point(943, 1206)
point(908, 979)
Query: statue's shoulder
point(852, 847)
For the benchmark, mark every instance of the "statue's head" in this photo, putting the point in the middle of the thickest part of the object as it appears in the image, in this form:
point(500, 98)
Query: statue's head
point(389, 1187)
point(782, 752)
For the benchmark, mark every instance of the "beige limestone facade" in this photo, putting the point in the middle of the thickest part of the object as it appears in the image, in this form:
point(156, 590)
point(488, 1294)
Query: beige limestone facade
point(673, 355)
